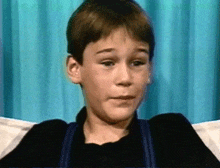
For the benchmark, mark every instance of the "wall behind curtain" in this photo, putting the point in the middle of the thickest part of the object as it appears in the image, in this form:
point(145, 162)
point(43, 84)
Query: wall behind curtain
point(186, 63)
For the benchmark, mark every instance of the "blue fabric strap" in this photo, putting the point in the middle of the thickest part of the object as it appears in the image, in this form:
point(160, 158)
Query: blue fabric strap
point(66, 149)
point(147, 142)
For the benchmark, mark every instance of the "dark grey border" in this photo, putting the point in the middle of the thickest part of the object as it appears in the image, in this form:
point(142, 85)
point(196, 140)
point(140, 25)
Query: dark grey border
point(1, 63)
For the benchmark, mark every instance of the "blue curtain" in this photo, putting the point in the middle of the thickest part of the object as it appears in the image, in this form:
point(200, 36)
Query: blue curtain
point(186, 63)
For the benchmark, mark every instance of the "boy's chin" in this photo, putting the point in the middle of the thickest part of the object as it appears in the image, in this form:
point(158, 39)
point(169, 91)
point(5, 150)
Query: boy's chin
point(118, 115)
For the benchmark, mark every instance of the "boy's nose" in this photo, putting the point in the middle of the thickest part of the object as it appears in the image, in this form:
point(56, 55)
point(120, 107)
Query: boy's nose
point(123, 76)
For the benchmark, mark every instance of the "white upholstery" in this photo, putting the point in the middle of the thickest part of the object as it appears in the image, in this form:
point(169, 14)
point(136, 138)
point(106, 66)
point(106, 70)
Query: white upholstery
point(12, 131)
point(209, 132)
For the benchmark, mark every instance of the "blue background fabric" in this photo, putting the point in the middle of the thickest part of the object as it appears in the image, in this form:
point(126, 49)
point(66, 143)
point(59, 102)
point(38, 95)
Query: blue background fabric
point(186, 73)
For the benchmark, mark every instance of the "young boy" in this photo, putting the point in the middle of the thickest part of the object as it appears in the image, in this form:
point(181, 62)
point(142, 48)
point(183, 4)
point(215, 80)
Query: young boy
point(110, 46)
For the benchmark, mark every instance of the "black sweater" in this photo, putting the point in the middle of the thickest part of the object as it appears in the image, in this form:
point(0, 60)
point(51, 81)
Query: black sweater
point(176, 144)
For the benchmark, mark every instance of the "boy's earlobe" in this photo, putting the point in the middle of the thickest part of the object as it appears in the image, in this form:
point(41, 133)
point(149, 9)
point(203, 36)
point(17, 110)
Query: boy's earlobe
point(73, 69)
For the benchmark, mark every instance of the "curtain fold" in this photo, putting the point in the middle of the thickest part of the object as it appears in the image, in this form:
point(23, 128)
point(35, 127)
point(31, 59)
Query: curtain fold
point(186, 64)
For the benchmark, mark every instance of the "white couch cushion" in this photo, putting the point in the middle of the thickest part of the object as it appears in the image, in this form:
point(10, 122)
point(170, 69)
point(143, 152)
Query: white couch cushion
point(11, 132)
point(209, 132)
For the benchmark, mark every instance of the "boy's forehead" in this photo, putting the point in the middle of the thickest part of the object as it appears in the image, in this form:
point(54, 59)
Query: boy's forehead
point(119, 41)
point(121, 34)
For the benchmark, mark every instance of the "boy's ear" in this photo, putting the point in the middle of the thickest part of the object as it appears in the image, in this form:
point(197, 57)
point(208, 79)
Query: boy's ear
point(150, 73)
point(73, 69)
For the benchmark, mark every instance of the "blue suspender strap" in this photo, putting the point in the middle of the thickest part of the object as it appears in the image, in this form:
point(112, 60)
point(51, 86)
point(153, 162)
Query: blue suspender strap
point(65, 153)
point(149, 156)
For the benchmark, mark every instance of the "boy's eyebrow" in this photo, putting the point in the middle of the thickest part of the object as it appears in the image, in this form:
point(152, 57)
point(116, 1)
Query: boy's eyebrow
point(105, 50)
point(112, 49)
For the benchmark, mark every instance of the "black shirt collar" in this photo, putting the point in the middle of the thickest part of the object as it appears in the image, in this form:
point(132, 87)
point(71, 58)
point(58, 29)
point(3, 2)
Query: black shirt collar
point(81, 117)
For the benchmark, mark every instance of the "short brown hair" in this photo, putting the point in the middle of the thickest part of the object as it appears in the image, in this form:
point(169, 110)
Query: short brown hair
point(95, 19)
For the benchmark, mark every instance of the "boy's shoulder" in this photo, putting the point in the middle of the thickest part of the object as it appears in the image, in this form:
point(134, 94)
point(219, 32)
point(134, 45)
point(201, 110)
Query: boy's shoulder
point(54, 125)
point(172, 128)
point(48, 132)
point(41, 146)
point(170, 120)
point(177, 143)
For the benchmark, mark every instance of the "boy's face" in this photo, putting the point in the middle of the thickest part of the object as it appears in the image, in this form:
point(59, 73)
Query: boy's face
point(114, 76)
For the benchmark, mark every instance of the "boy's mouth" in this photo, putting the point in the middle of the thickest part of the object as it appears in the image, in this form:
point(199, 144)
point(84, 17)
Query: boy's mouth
point(127, 97)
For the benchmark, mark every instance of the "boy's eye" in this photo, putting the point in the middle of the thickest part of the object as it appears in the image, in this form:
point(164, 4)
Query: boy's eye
point(107, 63)
point(137, 63)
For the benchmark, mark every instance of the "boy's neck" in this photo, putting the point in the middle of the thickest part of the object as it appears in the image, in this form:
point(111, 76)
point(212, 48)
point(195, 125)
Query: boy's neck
point(100, 132)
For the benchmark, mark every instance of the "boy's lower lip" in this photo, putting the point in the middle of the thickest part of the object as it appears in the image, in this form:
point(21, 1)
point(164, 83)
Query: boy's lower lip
point(122, 101)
